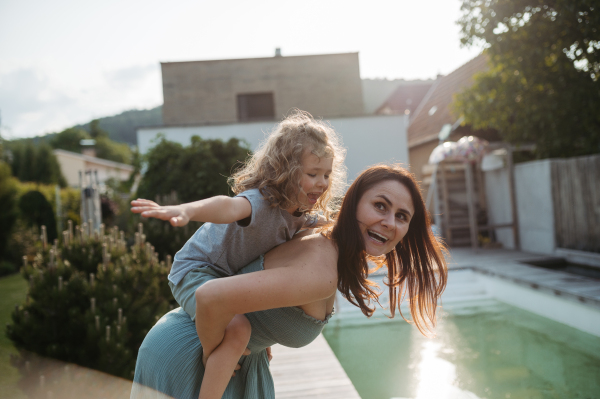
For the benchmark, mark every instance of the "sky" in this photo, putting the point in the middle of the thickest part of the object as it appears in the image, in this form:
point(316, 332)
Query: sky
point(66, 62)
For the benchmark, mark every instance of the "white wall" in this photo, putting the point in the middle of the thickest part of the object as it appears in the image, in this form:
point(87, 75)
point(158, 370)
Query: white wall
point(497, 192)
point(533, 187)
point(369, 139)
point(571, 313)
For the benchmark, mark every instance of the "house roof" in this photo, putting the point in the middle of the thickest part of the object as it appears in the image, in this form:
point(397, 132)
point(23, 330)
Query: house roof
point(434, 111)
point(407, 96)
point(95, 160)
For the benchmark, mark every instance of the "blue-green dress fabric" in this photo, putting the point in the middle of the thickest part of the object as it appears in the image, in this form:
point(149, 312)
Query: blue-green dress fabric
point(169, 362)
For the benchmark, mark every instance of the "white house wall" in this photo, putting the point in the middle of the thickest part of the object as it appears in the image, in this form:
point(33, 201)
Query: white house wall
point(497, 193)
point(71, 164)
point(368, 139)
point(533, 187)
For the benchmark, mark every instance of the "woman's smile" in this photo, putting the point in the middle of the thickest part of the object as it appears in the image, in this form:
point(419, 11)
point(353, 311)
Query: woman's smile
point(384, 214)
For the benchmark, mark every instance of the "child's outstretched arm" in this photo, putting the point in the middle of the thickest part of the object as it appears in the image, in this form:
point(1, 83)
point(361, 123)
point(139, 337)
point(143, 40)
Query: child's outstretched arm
point(220, 209)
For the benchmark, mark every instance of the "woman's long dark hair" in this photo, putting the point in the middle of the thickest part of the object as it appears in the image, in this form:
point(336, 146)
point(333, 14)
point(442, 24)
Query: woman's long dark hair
point(416, 265)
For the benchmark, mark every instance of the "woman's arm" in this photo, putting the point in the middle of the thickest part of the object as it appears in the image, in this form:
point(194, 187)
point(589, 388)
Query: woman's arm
point(306, 272)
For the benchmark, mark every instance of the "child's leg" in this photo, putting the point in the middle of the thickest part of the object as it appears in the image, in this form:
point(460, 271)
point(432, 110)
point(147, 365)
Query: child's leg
point(222, 361)
point(184, 292)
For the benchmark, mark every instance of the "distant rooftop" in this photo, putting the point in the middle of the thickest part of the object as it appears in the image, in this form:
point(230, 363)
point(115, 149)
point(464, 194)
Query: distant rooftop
point(434, 112)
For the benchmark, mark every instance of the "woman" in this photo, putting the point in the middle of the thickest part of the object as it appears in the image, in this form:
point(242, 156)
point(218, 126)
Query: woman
point(288, 296)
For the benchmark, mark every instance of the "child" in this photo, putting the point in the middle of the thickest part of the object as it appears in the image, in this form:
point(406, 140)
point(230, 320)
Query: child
point(293, 175)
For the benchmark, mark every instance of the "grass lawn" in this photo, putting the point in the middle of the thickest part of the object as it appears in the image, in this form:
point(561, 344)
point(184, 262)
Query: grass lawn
point(12, 291)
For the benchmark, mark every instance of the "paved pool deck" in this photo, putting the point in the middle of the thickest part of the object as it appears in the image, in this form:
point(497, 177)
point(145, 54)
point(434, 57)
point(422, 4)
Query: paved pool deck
point(509, 265)
point(310, 372)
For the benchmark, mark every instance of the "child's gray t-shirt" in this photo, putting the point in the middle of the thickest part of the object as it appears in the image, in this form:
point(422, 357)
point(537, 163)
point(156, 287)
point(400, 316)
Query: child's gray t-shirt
point(227, 248)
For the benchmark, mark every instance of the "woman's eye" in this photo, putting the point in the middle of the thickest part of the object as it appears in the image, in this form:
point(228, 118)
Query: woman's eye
point(401, 216)
point(380, 206)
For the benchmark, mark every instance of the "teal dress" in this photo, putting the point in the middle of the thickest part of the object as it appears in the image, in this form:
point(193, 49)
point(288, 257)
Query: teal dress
point(169, 362)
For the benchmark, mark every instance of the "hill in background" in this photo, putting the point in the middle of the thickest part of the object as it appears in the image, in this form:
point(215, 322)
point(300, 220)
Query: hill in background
point(122, 127)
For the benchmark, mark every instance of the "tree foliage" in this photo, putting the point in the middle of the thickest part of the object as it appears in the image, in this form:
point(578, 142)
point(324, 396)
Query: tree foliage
point(36, 211)
point(122, 127)
point(194, 172)
point(8, 206)
point(543, 84)
point(69, 140)
point(177, 174)
point(166, 238)
point(35, 163)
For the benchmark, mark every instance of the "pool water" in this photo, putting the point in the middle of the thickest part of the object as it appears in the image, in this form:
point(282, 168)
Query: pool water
point(491, 350)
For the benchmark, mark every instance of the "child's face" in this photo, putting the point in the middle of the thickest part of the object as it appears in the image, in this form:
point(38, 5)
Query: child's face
point(315, 179)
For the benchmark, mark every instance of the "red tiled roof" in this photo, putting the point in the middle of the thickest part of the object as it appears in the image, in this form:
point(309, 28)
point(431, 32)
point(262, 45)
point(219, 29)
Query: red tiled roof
point(434, 112)
point(407, 96)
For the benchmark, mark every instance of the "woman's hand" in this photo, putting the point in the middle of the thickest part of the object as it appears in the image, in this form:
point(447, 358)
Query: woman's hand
point(175, 214)
point(237, 366)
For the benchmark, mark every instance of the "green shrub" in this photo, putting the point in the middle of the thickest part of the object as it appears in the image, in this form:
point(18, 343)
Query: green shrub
point(7, 268)
point(35, 163)
point(8, 206)
point(37, 211)
point(197, 171)
point(22, 243)
point(91, 301)
point(70, 199)
point(194, 172)
point(166, 238)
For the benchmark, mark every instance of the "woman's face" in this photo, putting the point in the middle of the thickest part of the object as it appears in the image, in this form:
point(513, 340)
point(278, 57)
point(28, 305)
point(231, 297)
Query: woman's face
point(384, 213)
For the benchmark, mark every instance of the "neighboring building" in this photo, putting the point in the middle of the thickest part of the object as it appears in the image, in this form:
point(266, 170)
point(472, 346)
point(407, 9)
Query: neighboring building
point(434, 112)
point(406, 98)
point(245, 98)
point(369, 139)
point(376, 91)
point(255, 89)
point(71, 163)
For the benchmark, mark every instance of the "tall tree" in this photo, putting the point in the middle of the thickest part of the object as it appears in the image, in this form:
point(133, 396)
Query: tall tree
point(197, 171)
point(69, 139)
point(35, 163)
point(8, 205)
point(543, 84)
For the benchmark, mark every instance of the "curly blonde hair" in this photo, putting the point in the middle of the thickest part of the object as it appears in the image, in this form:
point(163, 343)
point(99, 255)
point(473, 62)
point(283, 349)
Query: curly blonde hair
point(276, 166)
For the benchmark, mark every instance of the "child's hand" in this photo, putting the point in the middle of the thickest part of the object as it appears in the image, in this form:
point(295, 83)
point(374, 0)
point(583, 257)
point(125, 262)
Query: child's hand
point(175, 214)
point(269, 355)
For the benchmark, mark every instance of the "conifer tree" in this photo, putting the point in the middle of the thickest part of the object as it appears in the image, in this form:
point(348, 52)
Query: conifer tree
point(91, 301)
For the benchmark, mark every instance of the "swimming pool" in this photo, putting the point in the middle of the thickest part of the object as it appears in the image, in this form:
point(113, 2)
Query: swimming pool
point(485, 349)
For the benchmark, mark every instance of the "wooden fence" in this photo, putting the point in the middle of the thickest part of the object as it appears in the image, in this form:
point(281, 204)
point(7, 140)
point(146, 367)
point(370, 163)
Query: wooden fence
point(576, 196)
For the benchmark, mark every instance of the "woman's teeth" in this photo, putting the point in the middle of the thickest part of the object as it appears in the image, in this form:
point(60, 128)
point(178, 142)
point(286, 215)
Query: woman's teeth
point(376, 236)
